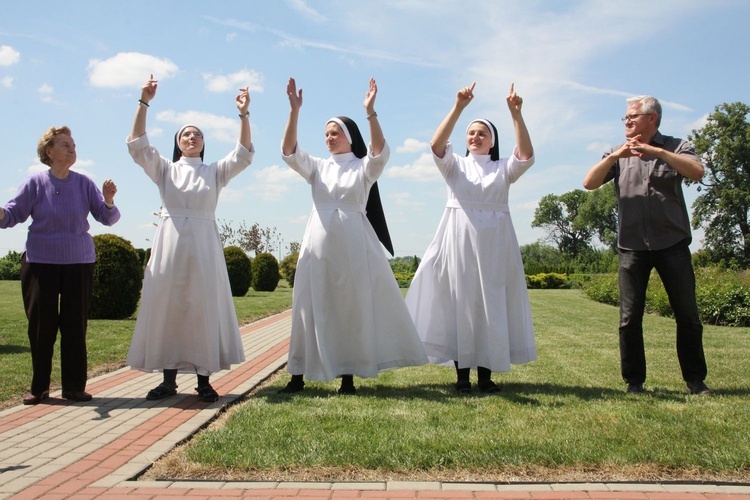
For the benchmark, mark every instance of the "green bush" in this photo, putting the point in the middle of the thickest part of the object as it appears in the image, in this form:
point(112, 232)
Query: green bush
point(118, 276)
point(577, 280)
point(723, 296)
point(143, 256)
point(239, 270)
point(288, 267)
point(266, 274)
point(404, 279)
point(547, 281)
point(10, 266)
point(603, 288)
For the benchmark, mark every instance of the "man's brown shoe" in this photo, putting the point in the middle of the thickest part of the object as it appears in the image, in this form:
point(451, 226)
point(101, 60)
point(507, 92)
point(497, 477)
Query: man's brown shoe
point(31, 399)
point(77, 396)
point(699, 387)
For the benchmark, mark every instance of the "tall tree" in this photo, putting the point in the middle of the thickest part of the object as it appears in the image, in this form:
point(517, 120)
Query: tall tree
point(723, 207)
point(559, 216)
point(599, 213)
point(254, 239)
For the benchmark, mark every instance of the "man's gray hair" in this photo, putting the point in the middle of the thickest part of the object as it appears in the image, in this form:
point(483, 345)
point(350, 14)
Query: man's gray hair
point(649, 105)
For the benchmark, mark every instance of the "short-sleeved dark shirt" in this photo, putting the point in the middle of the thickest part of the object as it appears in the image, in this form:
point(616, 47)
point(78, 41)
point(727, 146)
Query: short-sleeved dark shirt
point(652, 210)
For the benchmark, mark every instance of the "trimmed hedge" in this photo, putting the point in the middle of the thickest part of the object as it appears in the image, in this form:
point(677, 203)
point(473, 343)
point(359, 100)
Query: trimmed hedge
point(723, 296)
point(288, 268)
point(266, 274)
point(118, 277)
point(239, 270)
point(547, 281)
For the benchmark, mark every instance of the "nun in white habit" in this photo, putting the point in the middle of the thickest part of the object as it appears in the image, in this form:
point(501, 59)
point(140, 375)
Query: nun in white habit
point(186, 321)
point(348, 315)
point(468, 297)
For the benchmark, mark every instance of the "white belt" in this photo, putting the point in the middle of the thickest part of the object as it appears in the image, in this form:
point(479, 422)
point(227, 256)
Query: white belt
point(188, 213)
point(478, 205)
point(339, 205)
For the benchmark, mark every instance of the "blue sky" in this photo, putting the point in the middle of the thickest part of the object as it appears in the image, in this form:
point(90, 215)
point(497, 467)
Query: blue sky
point(82, 64)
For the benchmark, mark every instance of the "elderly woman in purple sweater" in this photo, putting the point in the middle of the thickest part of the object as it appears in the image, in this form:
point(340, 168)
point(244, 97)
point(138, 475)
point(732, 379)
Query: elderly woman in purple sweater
point(57, 267)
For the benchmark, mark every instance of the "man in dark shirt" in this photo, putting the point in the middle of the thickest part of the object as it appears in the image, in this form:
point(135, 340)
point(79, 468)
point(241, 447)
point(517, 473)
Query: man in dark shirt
point(653, 233)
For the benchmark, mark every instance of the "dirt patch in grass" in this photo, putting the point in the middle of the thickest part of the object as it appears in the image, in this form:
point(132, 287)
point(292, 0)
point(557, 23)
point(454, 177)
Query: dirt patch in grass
point(174, 467)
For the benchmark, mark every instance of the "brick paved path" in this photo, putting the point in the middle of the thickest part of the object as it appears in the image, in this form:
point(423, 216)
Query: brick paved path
point(93, 450)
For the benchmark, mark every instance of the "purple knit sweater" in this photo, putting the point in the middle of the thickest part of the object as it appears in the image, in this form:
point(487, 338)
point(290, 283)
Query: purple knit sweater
point(59, 208)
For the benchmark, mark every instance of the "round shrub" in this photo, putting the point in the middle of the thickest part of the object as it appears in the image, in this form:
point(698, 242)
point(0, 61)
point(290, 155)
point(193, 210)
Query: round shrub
point(288, 267)
point(238, 269)
point(10, 266)
point(118, 276)
point(265, 273)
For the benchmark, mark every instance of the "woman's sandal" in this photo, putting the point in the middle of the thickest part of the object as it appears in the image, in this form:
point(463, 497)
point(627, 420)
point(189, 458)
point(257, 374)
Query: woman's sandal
point(161, 391)
point(207, 394)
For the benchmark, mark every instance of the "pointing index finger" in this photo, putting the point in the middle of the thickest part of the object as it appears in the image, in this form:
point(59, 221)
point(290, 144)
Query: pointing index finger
point(511, 87)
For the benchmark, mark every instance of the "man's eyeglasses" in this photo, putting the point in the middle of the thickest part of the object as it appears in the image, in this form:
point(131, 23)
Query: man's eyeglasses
point(632, 117)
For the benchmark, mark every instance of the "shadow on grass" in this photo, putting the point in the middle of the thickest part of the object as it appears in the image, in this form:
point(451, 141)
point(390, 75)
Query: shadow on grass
point(14, 349)
point(512, 392)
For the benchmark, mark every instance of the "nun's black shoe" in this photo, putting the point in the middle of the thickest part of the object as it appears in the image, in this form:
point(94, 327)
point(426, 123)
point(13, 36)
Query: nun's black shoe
point(488, 386)
point(347, 389)
point(161, 391)
point(207, 394)
point(634, 388)
point(292, 387)
point(463, 387)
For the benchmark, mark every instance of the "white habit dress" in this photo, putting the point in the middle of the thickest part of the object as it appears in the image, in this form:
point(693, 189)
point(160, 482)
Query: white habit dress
point(348, 314)
point(468, 298)
point(186, 320)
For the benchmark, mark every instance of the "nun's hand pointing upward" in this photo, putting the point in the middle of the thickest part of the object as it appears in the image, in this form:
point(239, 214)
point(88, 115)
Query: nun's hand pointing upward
point(295, 98)
point(370, 97)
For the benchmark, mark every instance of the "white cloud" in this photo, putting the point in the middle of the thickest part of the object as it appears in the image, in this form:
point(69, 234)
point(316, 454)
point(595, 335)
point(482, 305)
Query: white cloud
point(222, 128)
point(231, 82)
point(405, 200)
point(697, 124)
point(128, 69)
point(272, 183)
point(308, 12)
point(46, 91)
point(37, 167)
point(598, 147)
point(412, 146)
point(9, 55)
point(422, 170)
point(6, 82)
point(156, 131)
point(288, 40)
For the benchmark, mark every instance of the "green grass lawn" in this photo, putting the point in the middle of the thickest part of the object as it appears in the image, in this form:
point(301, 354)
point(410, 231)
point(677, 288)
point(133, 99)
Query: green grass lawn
point(108, 341)
point(564, 417)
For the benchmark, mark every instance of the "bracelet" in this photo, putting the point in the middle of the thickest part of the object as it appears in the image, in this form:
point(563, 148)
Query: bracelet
point(143, 103)
point(110, 206)
point(373, 115)
point(243, 115)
